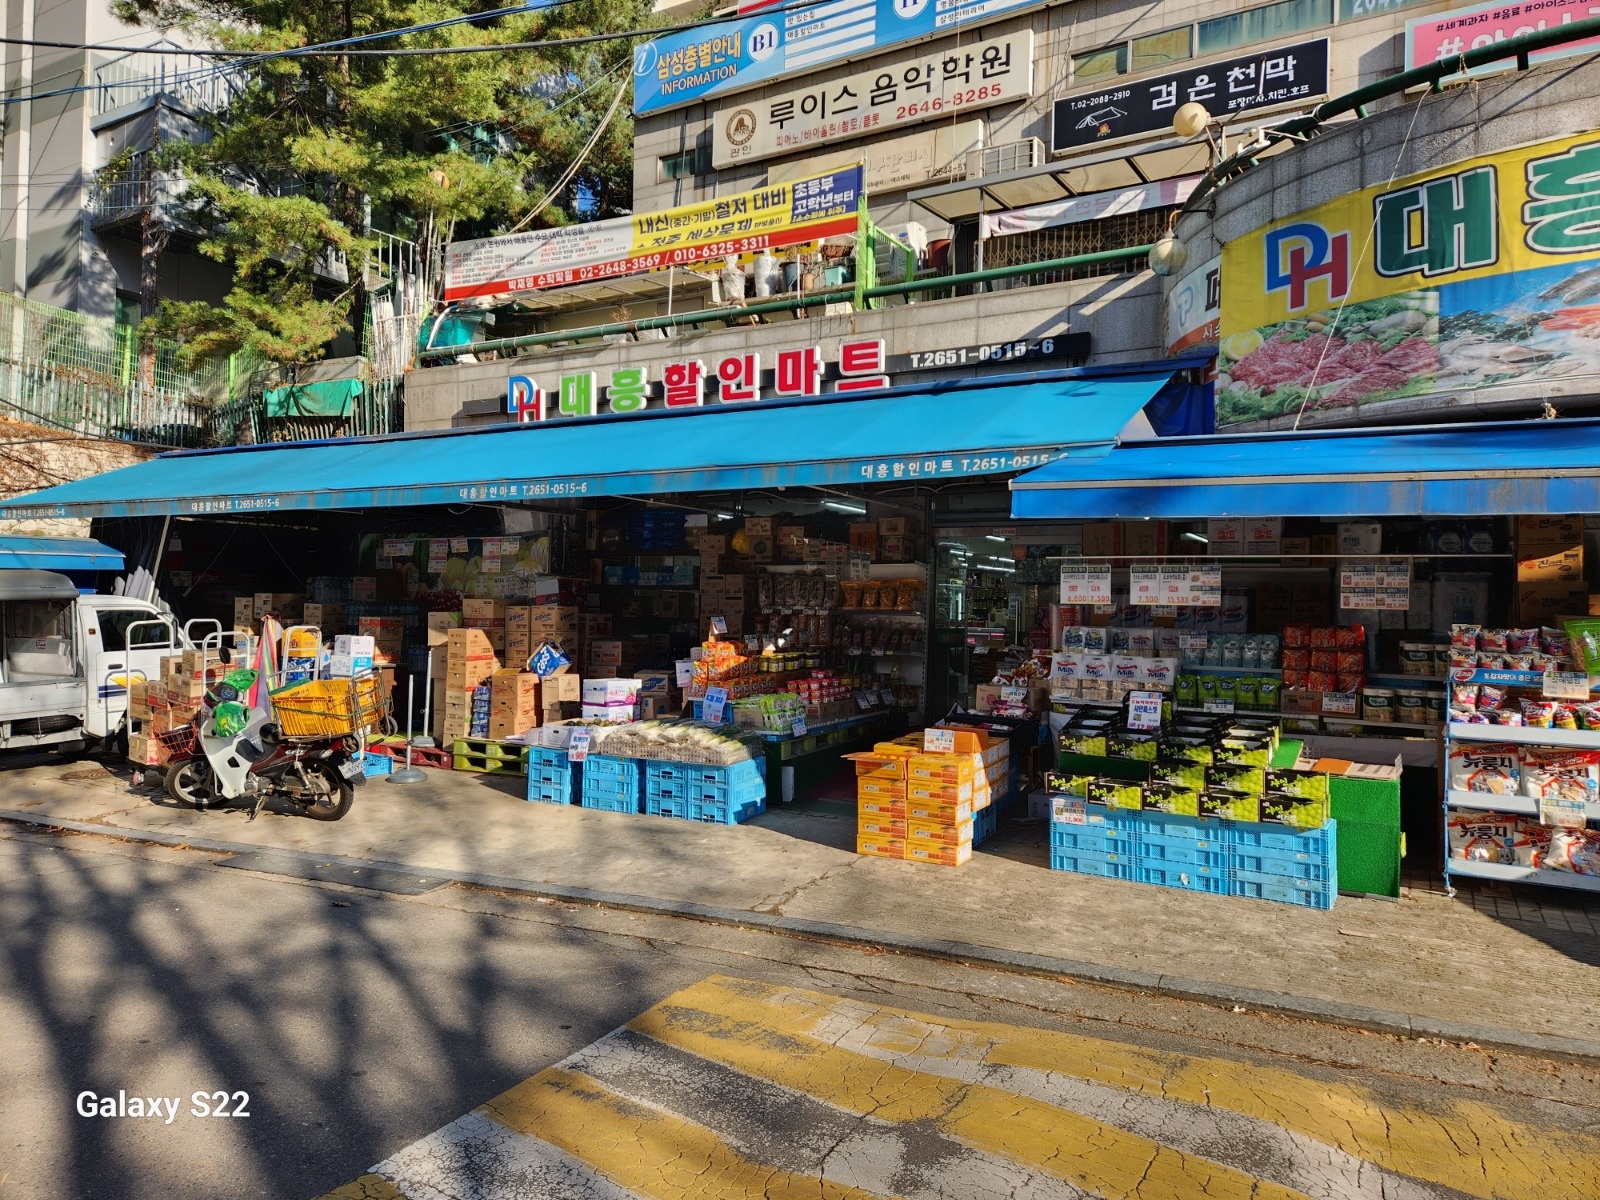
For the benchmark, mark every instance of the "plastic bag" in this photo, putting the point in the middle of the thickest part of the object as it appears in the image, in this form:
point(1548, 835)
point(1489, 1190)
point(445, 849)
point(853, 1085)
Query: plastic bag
point(229, 719)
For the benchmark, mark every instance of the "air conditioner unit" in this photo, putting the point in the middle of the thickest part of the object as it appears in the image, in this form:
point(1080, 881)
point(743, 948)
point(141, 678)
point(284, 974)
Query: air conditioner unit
point(1008, 156)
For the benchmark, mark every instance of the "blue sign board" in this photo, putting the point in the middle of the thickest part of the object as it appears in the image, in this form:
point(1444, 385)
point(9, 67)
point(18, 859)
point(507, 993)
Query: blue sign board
point(726, 56)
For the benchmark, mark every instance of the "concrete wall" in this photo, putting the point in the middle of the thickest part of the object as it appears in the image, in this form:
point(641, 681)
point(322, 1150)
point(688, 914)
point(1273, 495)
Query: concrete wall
point(33, 458)
point(1362, 50)
point(1497, 113)
point(1120, 312)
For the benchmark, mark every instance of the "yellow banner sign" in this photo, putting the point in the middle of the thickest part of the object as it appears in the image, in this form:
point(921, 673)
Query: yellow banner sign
point(1480, 273)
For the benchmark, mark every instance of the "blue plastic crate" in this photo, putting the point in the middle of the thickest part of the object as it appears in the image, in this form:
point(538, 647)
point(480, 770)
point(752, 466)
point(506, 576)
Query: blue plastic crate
point(1318, 843)
point(1303, 893)
point(697, 711)
point(1182, 853)
point(721, 812)
point(656, 805)
point(1108, 866)
point(545, 756)
point(984, 824)
point(604, 766)
point(1166, 825)
point(1090, 839)
point(1308, 854)
point(1187, 877)
point(617, 804)
point(550, 785)
point(377, 764)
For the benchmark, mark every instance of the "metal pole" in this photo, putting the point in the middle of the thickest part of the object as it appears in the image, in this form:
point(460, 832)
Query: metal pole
point(425, 738)
point(409, 774)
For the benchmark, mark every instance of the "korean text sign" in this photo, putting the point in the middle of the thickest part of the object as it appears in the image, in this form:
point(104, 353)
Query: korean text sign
point(1438, 37)
point(947, 79)
point(1284, 75)
point(783, 214)
point(730, 55)
point(1479, 273)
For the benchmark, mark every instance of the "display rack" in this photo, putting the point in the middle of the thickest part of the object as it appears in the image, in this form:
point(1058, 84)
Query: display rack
point(1512, 805)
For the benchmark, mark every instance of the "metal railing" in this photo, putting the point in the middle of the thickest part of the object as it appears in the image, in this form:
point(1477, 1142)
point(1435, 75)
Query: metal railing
point(197, 83)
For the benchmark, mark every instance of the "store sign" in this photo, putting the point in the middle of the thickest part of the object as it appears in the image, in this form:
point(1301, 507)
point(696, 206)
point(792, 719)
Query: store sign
point(1477, 274)
point(897, 163)
point(1267, 79)
point(784, 214)
point(740, 378)
point(1194, 308)
point(732, 55)
point(1439, 37)
point(944, 81)
point(1164, 193)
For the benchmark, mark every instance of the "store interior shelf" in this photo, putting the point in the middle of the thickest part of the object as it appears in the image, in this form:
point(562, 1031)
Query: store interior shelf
point(878, 612)
point(1527, 735)
point(1276, 672)
point(1372, 726)
point(1525, 806)
point(1432, 683)
point(1507, 873)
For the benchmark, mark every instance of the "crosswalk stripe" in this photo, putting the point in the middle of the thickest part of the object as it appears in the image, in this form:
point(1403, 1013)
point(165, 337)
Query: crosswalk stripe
point(801, 1134)
point(656, 1154)
point(1467, 1146)
point(728, 1021)
point(476, 1158)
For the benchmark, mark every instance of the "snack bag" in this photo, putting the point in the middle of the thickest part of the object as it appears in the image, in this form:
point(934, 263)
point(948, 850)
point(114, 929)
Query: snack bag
point(1491, 697)
point(1576, 850)
point(1539, 714)
point(1483, 837)
point(1519, 641)
point(1584, 635)
point(1555, 642)
point(1464, 637)
point(1531, 844)
point(1492, 768)
point(1549, 773)
point(1494, 641)
point(1464, 695)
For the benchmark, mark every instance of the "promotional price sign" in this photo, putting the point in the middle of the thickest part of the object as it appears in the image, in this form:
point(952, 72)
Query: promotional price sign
point(1086, 583)
point(683, 671)
point(939, 741)
point(1566, 685)
point(719, 625)
point(578, 749)
point(1144, 585)
point(715, 703)
point(799, 727)
point(1144, 710)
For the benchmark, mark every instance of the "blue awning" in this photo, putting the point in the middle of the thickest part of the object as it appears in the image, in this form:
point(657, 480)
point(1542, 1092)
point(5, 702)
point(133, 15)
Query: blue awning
point(58, 554)
point(1489, 469)
point(928, 432)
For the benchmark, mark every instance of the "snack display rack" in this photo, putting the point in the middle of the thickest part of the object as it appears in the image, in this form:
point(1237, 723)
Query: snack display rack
point(1495, 828)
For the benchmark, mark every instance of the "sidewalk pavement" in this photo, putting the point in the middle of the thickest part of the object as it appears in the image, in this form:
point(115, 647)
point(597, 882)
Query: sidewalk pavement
point(1510, 967)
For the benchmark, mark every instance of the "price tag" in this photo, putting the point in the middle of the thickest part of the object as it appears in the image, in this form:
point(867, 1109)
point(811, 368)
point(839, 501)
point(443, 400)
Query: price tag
point(460, 546)
point(1561, 810)
point(1218, 706)
point(1144, 710)
point(1340, 704)
point(719, 625)
point(684, 671)
point(1069, 810)
point(1014, 695)
point(1566, 685)
point(1144, 585)
point(715, 702)
point(799, 727)
point(1086, 583)
point(578, 749)
point(939, 741)
point(865, 700)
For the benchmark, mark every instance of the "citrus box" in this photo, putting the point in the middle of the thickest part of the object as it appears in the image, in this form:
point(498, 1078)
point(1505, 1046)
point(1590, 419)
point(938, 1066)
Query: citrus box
point(944, 856)
point(867, 785)
point(880, 847)
point(928, 789)
point(937, 833)
point(881, 808)
point(881, 827)
point(948, 768)
point(878, 766)
point(952, 813)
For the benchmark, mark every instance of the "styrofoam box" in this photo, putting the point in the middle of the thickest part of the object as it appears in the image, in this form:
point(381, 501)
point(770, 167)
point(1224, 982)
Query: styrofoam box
point(356, 646)
point(617, 713)
point(610, 691)
point(343, 666)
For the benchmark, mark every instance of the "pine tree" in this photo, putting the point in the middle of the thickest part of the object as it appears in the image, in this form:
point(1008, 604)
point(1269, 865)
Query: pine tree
point(314, 151)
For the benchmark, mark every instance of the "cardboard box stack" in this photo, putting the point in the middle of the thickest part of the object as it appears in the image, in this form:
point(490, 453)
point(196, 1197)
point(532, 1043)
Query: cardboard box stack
point(244, 614)
point(288, 607)
point(731, 597)
point(388, 638)
point(922, 806)
point(612, 700)
point(330, 619)
point(529, 627)
point(160, 705)
point(761, 532)
point(1550, 582)
point(513, 703)
point(470, 661)
point(560, 697)
point(489, 616)
point(659, 695)
point(791, 543)
point(897, 539)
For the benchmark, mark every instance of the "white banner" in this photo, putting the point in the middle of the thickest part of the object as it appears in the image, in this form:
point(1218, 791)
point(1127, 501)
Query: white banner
point(898, 162)
point(1161, 194)
point(950, 79)
point(498, 263)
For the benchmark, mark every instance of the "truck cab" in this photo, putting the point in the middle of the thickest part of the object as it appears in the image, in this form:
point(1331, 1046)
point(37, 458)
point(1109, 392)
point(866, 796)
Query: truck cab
point(68, 659)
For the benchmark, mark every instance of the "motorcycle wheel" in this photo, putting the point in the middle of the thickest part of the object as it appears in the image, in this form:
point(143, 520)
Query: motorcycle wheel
point(191, 782)
point(333, 803)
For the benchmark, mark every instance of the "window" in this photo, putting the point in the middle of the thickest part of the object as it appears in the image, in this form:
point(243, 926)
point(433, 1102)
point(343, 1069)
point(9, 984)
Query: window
point(38, 640)
point(114, 630)
point(1159, 49)
point(690, 162)
point(1263, 24)
point(1099, 64)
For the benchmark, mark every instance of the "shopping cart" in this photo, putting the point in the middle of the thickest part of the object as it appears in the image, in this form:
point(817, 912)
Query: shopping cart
point(322, 708)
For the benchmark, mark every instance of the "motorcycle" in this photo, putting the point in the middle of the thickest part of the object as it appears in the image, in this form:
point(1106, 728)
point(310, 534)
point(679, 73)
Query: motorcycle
point(316, 775)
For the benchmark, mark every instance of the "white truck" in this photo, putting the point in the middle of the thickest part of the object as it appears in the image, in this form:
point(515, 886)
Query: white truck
point(69, 660)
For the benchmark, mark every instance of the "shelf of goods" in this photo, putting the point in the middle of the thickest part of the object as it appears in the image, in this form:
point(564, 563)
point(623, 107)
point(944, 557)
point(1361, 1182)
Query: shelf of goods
point(1520, 802)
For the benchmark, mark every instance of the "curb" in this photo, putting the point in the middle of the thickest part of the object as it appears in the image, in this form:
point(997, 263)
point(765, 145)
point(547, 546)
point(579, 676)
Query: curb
point(1217, 995)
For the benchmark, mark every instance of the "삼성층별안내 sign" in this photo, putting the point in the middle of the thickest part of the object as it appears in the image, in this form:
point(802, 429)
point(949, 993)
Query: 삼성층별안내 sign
point(782, 214)
point(944, 81)
point(1439, 37)
point(1283, 75)
point(1481, 273)
point(730, 55)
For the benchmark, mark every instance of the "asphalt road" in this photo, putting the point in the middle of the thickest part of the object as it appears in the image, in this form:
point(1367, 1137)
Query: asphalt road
point(472, 1044)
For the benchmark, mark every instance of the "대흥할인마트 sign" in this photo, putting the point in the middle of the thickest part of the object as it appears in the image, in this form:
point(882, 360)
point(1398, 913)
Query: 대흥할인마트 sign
point(781, 214)
point(1481, 273)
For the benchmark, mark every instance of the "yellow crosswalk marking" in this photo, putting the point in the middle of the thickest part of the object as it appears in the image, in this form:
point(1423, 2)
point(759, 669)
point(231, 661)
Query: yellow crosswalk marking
point(368, 1187)
point(1465, 1145)
point(726, 1021)
point(651, 1152)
